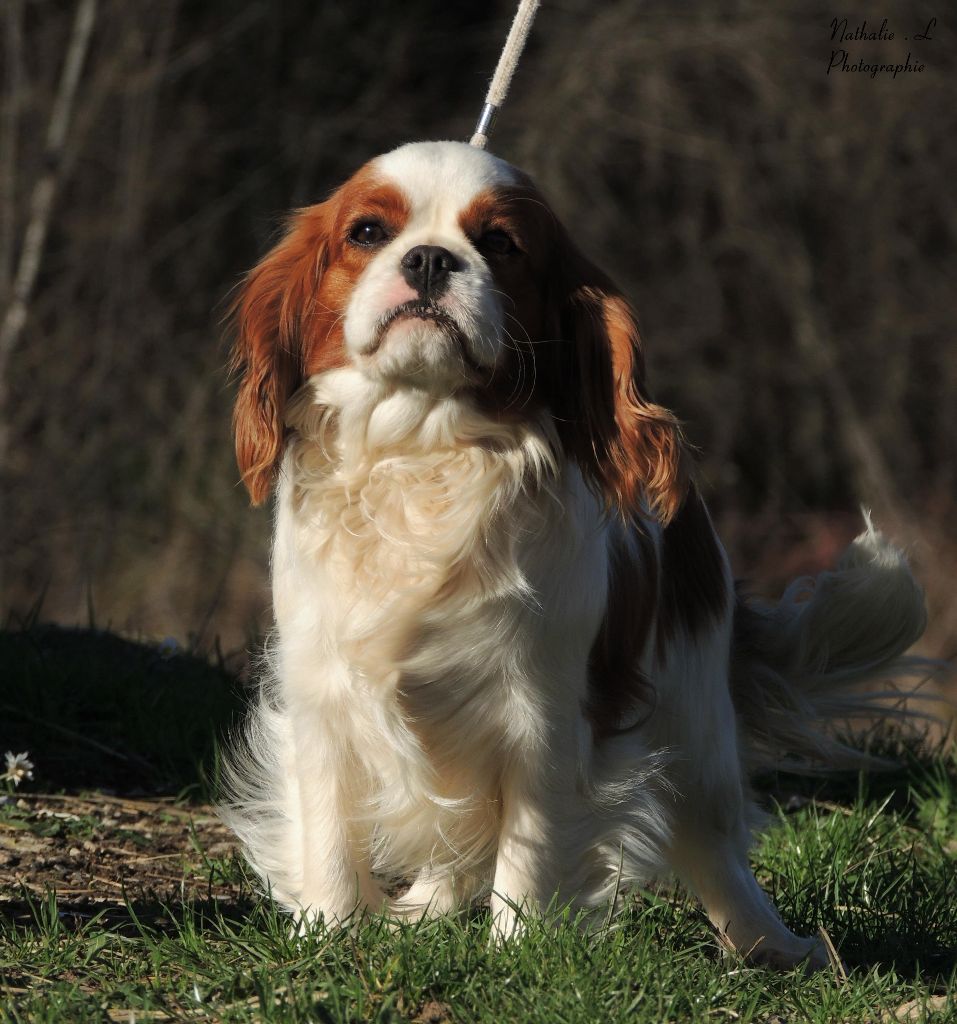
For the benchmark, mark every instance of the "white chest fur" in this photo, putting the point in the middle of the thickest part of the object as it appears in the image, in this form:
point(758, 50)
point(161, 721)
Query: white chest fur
point(430, 588)
point(435, 516)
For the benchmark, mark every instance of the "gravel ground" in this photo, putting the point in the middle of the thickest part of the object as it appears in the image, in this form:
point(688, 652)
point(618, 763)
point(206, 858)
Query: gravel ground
point(103, 852)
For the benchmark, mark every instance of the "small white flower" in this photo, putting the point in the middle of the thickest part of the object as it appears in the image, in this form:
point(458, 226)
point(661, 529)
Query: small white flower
point(19, 767)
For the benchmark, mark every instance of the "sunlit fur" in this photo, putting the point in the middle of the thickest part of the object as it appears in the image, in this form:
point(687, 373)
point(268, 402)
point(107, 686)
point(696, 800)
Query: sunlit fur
point(508, 653)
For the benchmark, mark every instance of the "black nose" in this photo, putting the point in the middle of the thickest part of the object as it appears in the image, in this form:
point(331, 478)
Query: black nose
point(427, 269)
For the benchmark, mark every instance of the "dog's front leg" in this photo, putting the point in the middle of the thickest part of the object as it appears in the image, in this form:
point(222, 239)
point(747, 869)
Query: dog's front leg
point(336, 881)
point(540, 808)
point(546, 821)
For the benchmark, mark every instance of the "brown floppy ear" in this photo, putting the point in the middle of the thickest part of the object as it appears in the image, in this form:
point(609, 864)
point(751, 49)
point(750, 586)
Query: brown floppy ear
point(270, 315)
point(629, 448)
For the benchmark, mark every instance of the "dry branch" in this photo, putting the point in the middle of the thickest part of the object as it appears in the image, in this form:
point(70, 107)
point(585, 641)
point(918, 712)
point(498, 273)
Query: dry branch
point(9, 132)
point(41, 204)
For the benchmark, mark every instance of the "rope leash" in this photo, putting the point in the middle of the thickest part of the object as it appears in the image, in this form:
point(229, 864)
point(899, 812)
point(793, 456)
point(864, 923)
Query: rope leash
point(504, 70)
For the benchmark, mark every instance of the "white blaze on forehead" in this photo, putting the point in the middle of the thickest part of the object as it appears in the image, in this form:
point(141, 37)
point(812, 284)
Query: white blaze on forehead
point(440, 179)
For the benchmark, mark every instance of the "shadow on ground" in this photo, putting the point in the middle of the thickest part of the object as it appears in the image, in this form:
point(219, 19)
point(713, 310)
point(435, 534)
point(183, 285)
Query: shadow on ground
point(95, 710)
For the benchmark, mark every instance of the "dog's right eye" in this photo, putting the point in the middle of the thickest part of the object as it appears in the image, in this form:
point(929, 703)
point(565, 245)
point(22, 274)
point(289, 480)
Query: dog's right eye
point(497, 242)
point(368, 232)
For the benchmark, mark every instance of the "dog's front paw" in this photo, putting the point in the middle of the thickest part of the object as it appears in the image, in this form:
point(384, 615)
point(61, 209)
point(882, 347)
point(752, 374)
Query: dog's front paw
point(432, 894)
point(508, 919)
point(345, 909)
point(786, 952)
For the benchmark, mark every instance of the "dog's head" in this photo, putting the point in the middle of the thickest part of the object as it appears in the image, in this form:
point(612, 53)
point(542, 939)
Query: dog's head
point(441, 268)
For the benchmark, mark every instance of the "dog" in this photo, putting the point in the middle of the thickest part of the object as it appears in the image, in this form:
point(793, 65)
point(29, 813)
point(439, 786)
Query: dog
point(509, 654)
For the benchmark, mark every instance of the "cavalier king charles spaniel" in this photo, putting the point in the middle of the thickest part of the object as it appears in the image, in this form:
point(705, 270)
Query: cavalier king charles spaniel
point(509, 654)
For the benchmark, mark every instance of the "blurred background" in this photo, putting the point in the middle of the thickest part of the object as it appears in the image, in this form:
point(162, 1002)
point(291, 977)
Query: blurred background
point(787, 236)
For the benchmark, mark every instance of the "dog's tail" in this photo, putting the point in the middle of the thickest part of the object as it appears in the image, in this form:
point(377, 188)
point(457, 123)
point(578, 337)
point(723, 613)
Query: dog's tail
point(823, 658)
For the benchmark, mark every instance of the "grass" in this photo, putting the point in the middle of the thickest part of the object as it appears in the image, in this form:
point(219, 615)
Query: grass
point(159, 921)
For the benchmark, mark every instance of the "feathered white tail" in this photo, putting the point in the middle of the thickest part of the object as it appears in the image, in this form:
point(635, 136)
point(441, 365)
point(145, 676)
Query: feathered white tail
point(808, 663)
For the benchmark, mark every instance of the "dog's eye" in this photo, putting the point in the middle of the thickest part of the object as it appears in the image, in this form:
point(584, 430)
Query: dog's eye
point(497, 242)
point(368, 232)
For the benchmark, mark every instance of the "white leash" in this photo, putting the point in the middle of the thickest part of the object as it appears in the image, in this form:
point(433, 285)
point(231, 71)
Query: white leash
point(505, 69)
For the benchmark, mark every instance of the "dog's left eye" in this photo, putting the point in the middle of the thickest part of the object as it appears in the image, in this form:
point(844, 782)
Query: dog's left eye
point(368, 232)
point(497, 242)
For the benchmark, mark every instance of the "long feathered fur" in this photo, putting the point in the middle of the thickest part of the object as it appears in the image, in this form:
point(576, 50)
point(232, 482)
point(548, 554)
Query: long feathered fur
point(822, 659)
point(258, 785)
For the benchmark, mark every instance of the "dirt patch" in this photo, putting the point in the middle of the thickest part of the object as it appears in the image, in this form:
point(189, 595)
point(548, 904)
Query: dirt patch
point(102, 852)
point(433, 1012)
